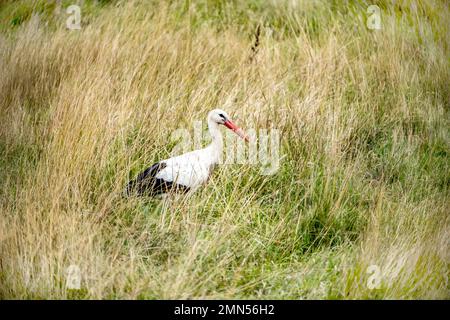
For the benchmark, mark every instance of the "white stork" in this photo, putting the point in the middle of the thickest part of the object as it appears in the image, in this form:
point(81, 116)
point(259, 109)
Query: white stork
point(188, 171)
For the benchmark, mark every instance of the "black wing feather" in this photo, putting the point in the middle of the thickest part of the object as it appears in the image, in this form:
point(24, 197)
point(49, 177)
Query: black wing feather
point(146, 183)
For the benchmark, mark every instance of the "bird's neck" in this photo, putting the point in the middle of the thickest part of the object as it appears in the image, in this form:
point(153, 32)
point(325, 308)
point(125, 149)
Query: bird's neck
point(217, 141)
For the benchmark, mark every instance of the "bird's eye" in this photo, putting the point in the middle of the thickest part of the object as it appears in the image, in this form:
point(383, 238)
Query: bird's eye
point(222, 116)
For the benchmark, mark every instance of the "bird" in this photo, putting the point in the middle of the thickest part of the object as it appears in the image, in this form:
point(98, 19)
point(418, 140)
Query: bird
point(189, 171)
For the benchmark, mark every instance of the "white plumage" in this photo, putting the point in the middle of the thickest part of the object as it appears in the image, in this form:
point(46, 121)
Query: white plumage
point(190, 169)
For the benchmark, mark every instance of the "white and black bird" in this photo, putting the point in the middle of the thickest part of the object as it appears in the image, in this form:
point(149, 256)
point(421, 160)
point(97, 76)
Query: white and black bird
point(186, 172)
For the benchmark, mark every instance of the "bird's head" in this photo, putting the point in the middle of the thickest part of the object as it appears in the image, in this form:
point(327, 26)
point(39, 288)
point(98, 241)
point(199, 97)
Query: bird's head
point(221, 117)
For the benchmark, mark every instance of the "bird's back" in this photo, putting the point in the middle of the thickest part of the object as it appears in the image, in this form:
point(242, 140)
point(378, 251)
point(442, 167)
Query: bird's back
point(181, 173)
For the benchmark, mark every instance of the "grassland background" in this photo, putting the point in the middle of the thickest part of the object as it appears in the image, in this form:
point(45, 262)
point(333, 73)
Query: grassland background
point(364, 123)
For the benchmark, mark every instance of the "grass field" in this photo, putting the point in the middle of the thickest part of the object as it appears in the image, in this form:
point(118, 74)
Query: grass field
point(359, 207)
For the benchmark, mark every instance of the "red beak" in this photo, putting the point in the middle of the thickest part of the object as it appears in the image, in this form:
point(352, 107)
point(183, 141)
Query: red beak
point(230, 125)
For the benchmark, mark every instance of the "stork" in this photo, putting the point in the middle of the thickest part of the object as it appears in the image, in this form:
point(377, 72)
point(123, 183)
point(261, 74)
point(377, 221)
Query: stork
point(186, 172)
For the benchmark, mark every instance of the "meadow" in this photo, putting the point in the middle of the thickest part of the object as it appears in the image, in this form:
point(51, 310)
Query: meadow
point(358, 208)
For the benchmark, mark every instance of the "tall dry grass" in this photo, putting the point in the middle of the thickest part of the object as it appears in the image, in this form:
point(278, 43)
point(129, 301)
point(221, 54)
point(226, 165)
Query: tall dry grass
point(364, 122)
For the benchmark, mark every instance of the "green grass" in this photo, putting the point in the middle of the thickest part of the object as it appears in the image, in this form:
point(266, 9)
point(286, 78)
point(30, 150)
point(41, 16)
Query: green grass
point(364, 121)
